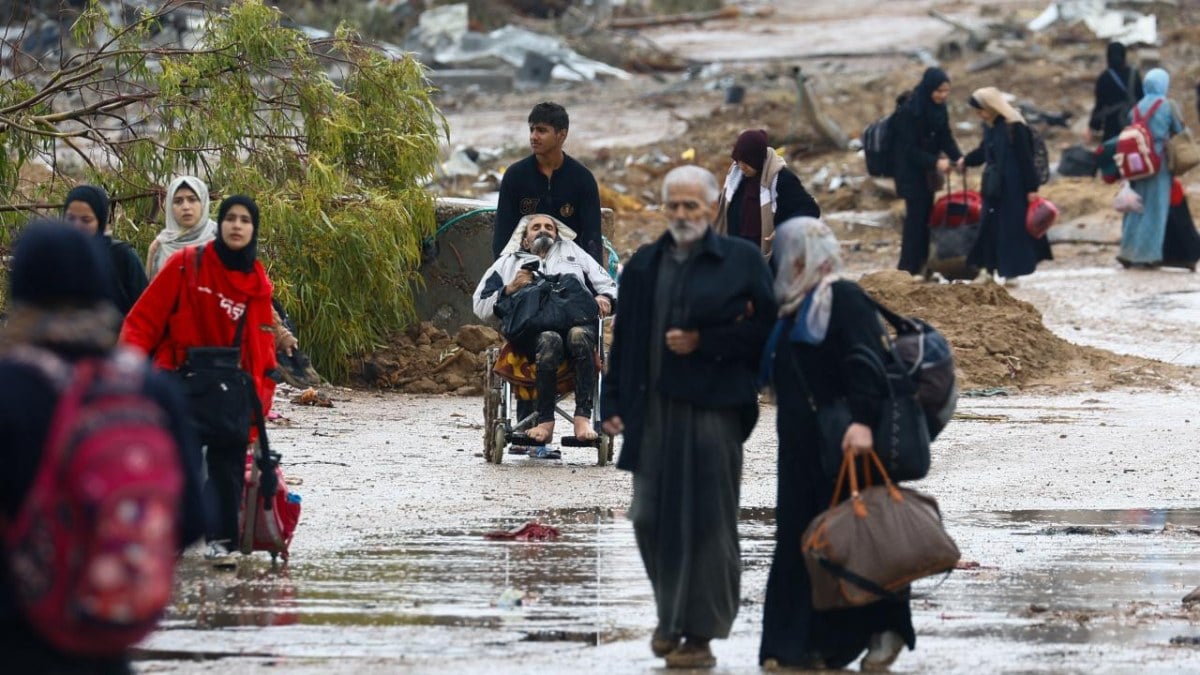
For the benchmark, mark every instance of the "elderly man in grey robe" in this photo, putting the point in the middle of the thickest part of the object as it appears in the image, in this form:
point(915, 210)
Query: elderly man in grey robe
point(696, 309)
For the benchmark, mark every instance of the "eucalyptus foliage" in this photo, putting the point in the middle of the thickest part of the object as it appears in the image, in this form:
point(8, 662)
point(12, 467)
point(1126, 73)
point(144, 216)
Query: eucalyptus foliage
point(332, 137)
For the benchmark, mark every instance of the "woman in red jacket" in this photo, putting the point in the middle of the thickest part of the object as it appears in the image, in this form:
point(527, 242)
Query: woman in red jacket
point(197, 300)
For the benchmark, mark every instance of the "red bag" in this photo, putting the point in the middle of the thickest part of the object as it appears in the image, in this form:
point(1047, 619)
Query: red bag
point(92, 550)
point(954, 209)
point(1135, 156)
point(1040, 217)
point(267, 524)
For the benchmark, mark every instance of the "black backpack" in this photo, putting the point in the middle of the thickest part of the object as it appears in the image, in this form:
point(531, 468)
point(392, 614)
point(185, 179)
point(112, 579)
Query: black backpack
point(925, 356)
point(878, 142)
point(1041, 158)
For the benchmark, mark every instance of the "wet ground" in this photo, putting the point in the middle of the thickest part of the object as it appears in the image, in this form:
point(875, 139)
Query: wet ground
point(1076, 514)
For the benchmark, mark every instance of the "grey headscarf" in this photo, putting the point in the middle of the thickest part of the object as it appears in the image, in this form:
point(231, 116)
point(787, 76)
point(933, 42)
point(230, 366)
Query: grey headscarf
point(174, 237)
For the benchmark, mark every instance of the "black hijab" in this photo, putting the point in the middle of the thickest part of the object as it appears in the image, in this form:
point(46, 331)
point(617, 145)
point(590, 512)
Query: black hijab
point(922, 98)
point(95, 197)
point(243, 260)
point(56, 266)
point(1116, 57)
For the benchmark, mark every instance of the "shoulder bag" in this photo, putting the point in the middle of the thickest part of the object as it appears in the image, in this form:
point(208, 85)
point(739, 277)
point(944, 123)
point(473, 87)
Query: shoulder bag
point(873, 545)
point(221, 396)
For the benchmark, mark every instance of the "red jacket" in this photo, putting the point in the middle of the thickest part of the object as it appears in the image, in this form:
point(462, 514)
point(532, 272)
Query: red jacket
point(188, 307)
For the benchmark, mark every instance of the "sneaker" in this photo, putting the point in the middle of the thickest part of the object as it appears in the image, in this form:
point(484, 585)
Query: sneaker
point(882, 651)
point(219, 554)
point(662, 645)
point(775, 665)
point(692, 654)
point(545, 452)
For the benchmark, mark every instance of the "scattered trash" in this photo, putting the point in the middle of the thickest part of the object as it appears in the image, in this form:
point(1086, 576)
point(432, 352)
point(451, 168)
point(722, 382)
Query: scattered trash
point(313, 397)
point(990, 391)
point(511, 597)
point(530, 531)
point(1192, 598)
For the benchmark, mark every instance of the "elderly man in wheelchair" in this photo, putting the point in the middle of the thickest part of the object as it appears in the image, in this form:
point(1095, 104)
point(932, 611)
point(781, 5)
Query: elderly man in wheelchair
point(549, 296)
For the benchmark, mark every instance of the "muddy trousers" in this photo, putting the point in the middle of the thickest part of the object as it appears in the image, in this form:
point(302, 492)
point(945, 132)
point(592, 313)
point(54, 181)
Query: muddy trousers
point(914, 246)
point(580, 348)
point(223, 491)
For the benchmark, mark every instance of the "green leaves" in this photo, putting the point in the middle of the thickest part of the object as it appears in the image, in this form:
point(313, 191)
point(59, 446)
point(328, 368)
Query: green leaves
point(333, 139)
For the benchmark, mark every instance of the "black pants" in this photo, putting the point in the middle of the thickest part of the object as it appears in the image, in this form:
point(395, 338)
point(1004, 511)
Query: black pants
point(580, 348)
point(914, 247)
point(223, 490)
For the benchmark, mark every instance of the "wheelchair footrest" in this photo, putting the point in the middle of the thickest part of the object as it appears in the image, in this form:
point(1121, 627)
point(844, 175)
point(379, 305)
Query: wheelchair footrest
point(573, 442)
point(518, 438)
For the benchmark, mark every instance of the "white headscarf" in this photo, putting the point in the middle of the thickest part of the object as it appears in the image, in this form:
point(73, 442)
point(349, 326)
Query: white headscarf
point(514, 242)
point(810, 241)
point(174, 237)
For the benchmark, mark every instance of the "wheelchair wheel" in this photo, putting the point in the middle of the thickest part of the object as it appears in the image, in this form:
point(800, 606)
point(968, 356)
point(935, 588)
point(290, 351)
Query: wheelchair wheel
point(491, 408)
point(604, 450)
point(499, 440)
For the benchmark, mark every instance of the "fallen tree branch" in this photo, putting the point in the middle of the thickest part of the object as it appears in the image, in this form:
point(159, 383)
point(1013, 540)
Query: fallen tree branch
point(674, 19)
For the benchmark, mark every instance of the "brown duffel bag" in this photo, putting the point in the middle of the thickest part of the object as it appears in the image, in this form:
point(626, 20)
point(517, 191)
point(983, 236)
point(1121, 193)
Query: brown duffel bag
point(873, 545)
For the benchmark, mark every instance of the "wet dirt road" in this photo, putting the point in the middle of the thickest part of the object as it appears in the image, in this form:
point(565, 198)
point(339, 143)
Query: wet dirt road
point(1077, 513)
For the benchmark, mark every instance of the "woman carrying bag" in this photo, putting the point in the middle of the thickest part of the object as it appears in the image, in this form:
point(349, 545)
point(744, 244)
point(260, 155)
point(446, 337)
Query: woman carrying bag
point(1008, 186)
point(1142, 232)
point(215, 296)
point(823, 319)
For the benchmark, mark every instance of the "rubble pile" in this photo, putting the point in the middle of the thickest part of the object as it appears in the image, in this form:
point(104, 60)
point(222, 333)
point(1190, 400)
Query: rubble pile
point(1000, 341)
point(427, 360)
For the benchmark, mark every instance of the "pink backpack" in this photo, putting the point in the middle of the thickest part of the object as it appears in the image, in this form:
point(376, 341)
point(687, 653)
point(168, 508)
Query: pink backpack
point(1135, 156)
point(92, 550)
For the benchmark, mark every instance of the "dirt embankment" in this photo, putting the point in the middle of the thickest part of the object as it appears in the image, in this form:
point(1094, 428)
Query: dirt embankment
point(428, 360)
point(1000, 341)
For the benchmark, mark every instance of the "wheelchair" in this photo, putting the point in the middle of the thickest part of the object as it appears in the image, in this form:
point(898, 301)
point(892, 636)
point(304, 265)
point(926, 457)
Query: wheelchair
point(501, 429)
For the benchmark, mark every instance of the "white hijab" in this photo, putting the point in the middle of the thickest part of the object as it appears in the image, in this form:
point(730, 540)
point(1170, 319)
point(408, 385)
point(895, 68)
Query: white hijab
point(811, 241)
point(174, 237)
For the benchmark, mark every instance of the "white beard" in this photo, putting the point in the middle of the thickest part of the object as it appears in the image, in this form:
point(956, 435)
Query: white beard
point(686, 232)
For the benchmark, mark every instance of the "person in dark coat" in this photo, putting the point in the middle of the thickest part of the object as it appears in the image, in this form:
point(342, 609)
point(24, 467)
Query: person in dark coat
point(1117, 89)
point(760, 190)
point(822, 319)
point(1181, 241)
point(552, 182)
point(924, 151)
point(60, 301)
point(1009, 184)
point(696, 308)
point(87, 208)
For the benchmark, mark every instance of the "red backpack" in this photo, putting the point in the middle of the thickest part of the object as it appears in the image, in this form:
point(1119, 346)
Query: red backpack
point(92, 550)
point(1135, 156)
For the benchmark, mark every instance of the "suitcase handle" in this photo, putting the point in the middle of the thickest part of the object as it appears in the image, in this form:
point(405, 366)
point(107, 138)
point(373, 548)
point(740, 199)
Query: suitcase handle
point(950, 193)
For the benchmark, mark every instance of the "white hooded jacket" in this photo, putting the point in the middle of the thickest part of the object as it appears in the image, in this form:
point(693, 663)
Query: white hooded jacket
point(564, 257)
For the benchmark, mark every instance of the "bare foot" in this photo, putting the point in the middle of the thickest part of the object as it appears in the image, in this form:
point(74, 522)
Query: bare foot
point(542, 433)
point(583, 429)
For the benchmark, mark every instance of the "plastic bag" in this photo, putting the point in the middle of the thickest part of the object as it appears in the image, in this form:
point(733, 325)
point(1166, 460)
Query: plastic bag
point(1127, 201)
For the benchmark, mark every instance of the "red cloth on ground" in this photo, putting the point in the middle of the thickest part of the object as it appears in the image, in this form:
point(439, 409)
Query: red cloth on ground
point(175, 313)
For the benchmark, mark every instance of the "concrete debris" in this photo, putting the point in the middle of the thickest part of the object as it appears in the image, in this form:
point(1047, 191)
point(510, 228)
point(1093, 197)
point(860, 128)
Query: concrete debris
point(461, 163)
point(443, 39)
point(1120, 25)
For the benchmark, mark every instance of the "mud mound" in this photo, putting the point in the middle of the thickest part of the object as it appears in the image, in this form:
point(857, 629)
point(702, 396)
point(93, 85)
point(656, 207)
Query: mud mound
point(1000, 341)
point(427, 360)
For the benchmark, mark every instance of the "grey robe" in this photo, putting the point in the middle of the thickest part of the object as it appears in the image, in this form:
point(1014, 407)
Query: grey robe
point(685, 495)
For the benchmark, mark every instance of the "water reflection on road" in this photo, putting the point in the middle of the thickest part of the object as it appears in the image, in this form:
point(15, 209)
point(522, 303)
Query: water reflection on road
point(1031, 579)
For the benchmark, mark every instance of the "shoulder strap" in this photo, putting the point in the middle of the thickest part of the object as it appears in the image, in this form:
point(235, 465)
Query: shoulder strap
point(1115, 78)
point(1137, 117)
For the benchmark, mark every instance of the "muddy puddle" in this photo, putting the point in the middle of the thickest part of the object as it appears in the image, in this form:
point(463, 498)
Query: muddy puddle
point(1032, 583)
